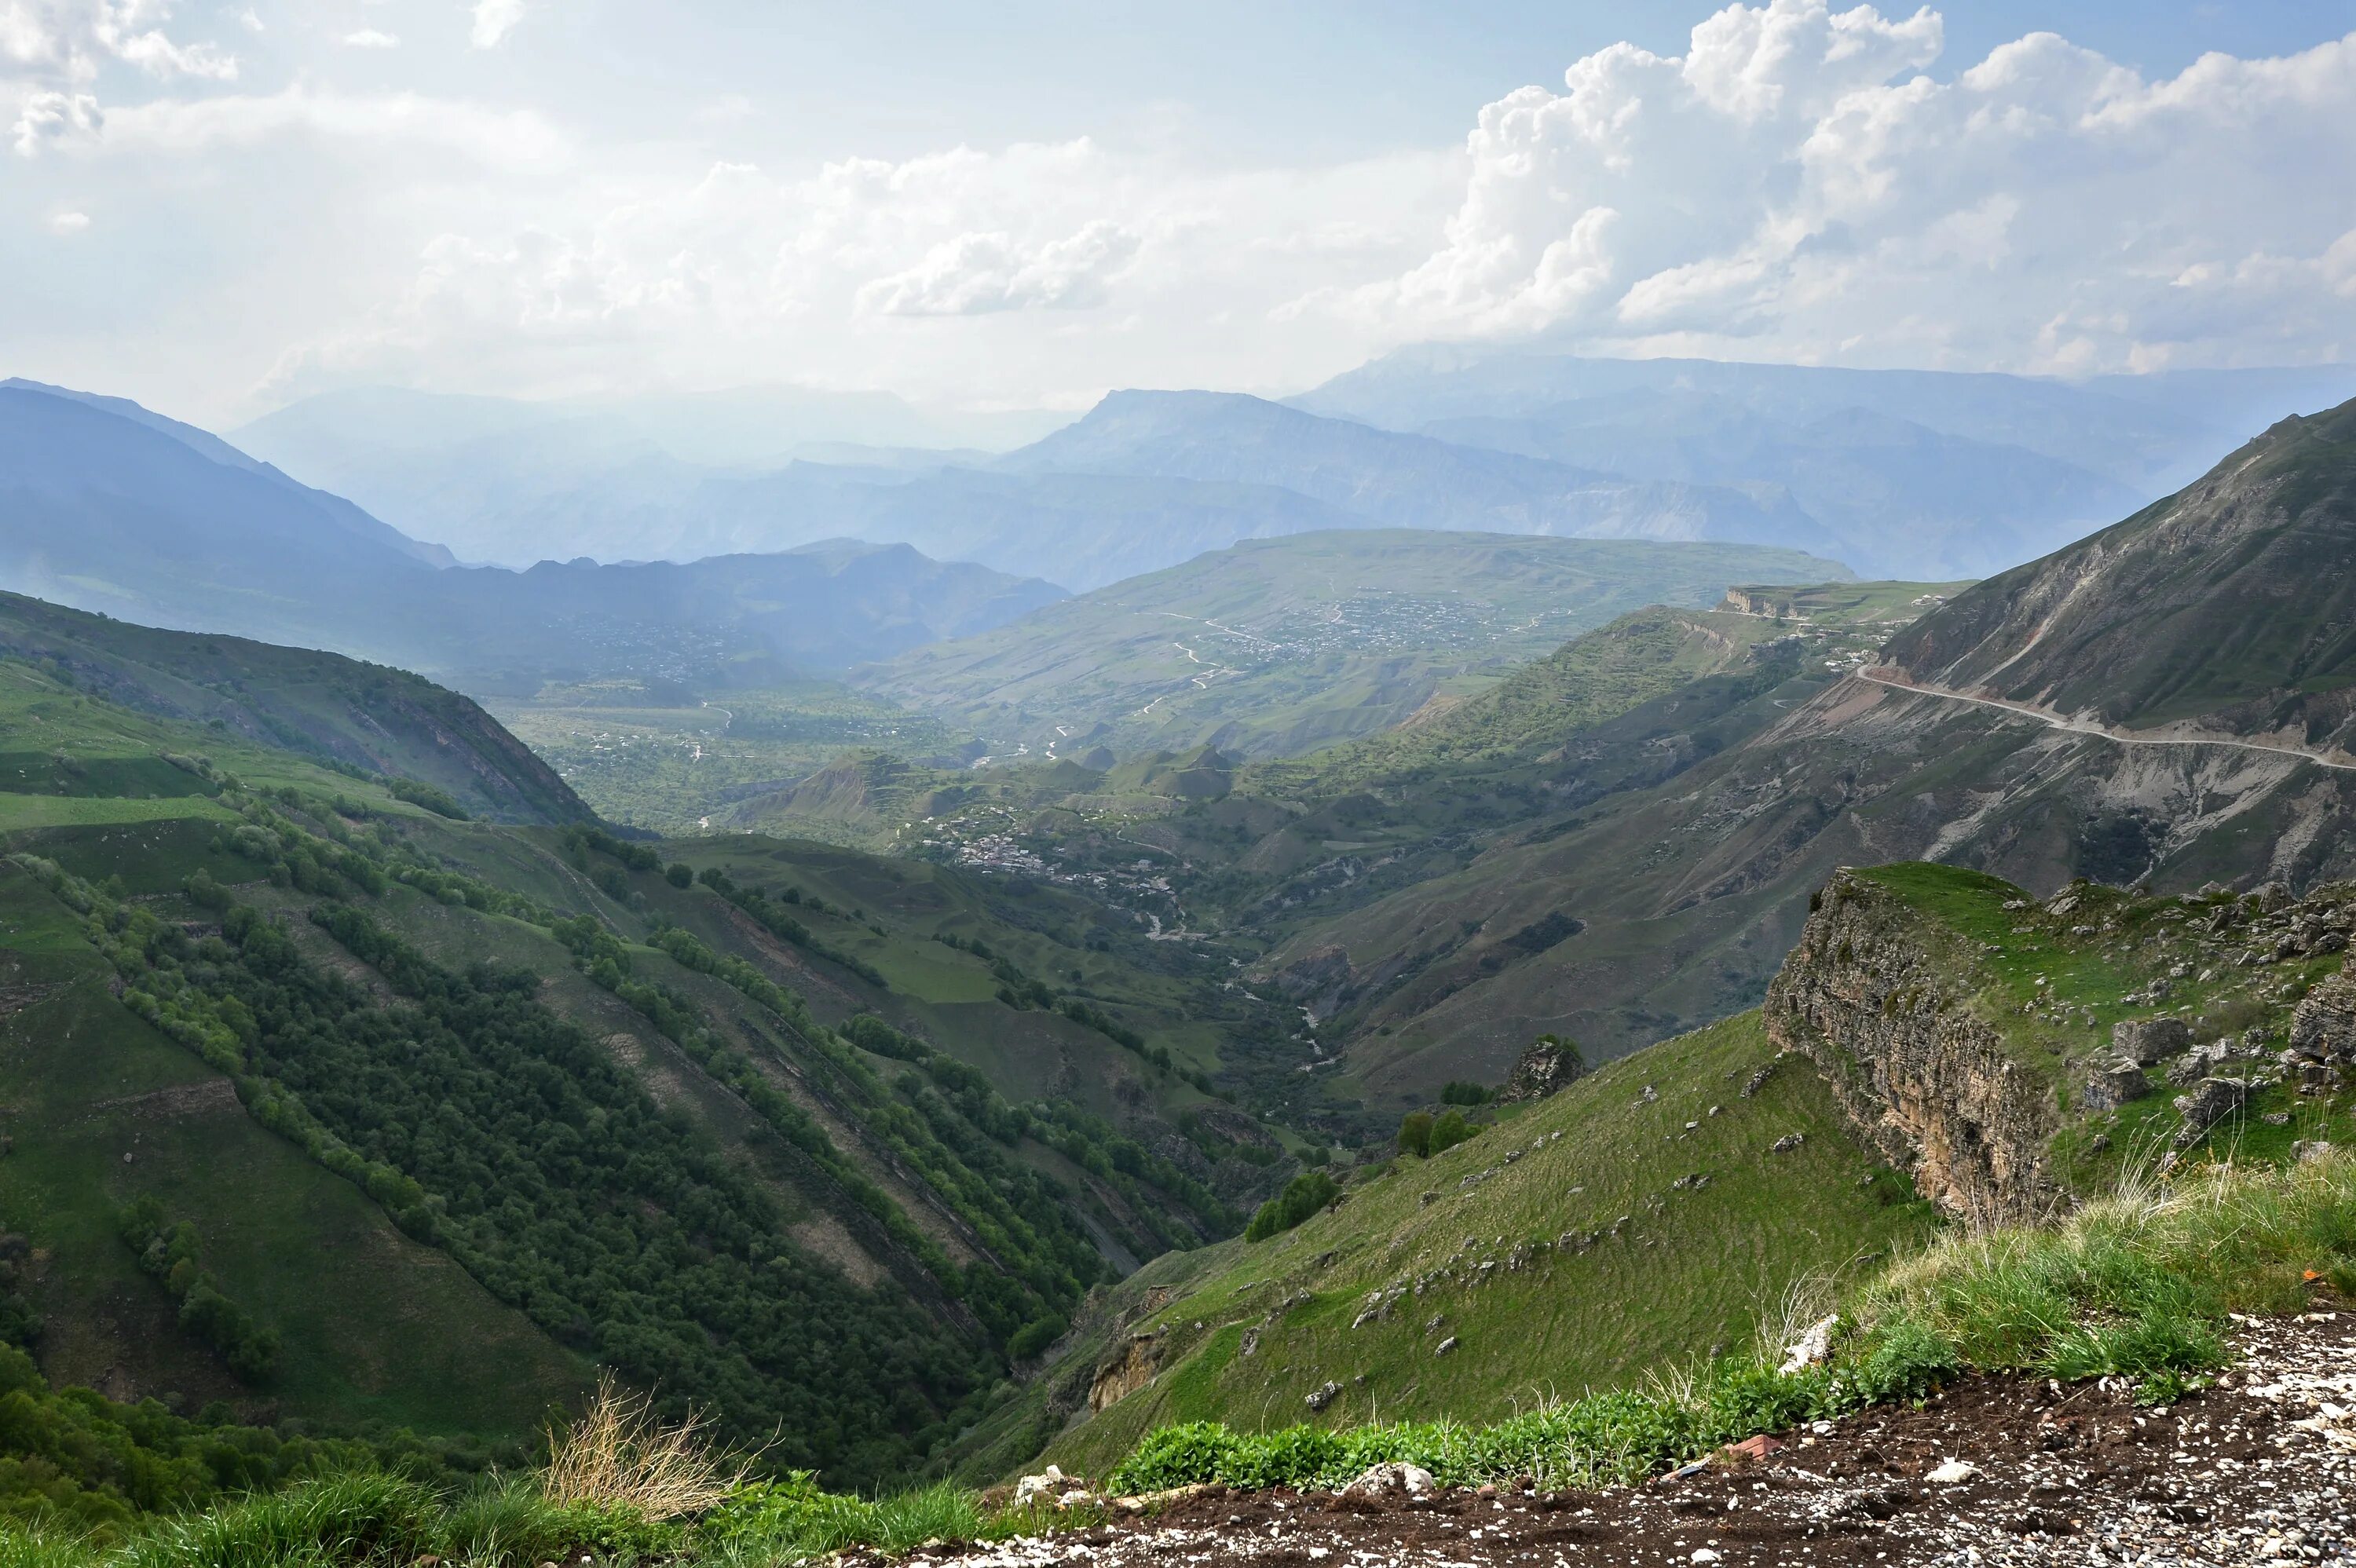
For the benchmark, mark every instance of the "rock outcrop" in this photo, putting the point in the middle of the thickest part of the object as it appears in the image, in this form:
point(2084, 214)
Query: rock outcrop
point(1549, 1065)
point(2324, 1027)
point(1127, 1370)
point(1925, 1084)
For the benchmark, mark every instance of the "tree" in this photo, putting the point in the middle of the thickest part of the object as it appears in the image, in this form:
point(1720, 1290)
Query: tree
point(1303, 1197)
point(1415, 1134)
point(1450, 1130)
point(681, 875)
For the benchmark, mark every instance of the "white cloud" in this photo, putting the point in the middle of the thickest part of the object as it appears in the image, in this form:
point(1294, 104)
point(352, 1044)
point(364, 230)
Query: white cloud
point(69, 40)
point(371, 39)
point(1008, 275)
point(489, 138)
point(494, 20)
point(46, 117)
point(51, 52)
point(69, 223)
point(974, 273)
point(1795, 186)
point(1799, 183)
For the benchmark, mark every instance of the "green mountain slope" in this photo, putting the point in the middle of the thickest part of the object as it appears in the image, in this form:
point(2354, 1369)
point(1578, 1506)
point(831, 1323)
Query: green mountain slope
point(336, 711)
point(1273, 647)
point(374, 1328)
point(1643, 1217)
point(819, 1142)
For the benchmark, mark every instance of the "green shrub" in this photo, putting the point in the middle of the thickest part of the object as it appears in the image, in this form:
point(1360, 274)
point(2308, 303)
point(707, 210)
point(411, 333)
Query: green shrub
point(1450, 1130)
point(1303, 1195)
point(1415, 1134)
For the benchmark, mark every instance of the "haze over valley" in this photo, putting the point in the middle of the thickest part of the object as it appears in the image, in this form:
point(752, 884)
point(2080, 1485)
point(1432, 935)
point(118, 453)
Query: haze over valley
point(1076, 787)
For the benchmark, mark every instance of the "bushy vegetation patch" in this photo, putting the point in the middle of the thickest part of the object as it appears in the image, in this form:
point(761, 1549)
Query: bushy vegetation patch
point(1304, 1195)
point(2135, 1285)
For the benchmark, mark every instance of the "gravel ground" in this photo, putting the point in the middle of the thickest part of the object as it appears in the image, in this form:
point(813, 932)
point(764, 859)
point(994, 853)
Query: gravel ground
point(2260, 1469)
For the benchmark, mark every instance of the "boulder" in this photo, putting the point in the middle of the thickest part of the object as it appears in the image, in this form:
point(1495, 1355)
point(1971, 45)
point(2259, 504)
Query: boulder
point(1032, 1489)
point(2323, 1029)
point(1394, 1479)
point(2211, 1101)
point(1323, 1395)
point(2310, 1149)
point(2201, 1061)
point(2146, 1041)
point(2113, 1084)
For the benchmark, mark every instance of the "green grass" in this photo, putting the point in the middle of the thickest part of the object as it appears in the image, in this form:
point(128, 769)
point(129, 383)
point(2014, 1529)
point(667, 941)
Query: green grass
point(677, 767)
point(2139, 1285)
point(1554, 1313)
point(18, 812)
point(379, 1330)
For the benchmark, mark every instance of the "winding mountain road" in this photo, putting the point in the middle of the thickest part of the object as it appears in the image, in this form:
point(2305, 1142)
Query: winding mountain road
point(2088, 727)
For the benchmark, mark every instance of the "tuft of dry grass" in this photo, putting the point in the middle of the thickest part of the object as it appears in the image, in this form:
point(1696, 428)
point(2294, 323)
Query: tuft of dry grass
point(620, 1454)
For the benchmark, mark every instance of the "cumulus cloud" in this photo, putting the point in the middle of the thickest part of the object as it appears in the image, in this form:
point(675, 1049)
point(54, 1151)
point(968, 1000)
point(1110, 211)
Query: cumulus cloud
point(69, 223)
point(1796, 184)
point(973, 274)
point(70, 39)
point(46, 117)
point(493, 21)
point(371, 39)
point(52, 51)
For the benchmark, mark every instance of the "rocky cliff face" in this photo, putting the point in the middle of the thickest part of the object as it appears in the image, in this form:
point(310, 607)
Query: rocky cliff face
point(1931, 1089)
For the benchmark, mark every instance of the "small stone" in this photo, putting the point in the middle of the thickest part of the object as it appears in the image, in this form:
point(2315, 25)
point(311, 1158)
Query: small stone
point(1445, 1346)
point(1812, 1346)
point(1952, 1472)
point(1703, 1554)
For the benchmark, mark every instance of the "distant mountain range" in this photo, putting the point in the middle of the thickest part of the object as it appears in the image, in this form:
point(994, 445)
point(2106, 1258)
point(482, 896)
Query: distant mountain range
point(1922, 473)
point(1917, 474)
point(114, 509)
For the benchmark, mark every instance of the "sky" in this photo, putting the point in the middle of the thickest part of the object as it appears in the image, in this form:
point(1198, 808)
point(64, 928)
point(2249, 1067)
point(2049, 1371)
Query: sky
point(217, 207)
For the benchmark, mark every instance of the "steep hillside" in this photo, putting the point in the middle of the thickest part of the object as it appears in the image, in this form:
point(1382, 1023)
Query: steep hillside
point(819, 1142)
point(1405, 481)
point(1678, 887)
point(1275, 647)
point(1936, 1031)
point(346, 714)
point(2228, 609)
point(117, 514)
point(1650, 1214)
